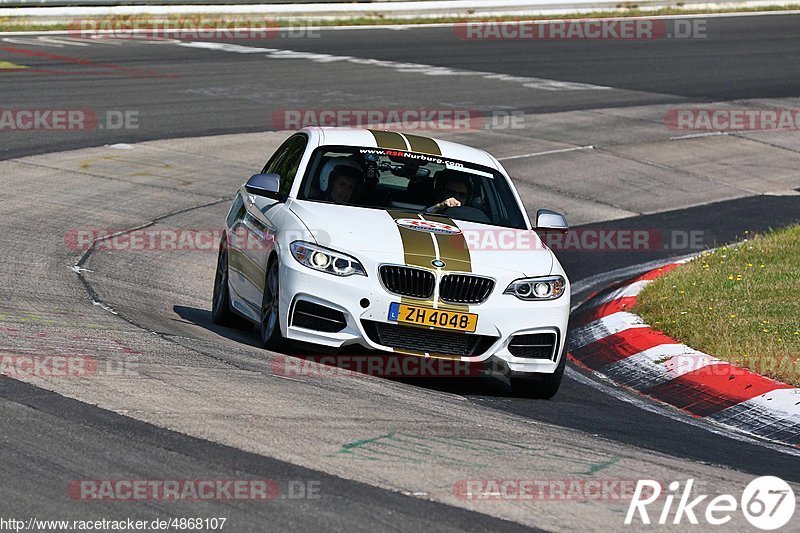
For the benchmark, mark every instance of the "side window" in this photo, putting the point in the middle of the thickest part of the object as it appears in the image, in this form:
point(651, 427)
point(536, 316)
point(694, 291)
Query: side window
point(237, 211)
point(286, 161)
point(287, 169)
point(272, 165)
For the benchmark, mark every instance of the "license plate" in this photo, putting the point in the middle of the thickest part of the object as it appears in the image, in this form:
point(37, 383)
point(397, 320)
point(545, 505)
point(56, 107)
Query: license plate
point(434, 318)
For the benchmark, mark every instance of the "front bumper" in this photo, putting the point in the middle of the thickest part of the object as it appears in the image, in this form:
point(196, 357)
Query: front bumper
point(361, 299)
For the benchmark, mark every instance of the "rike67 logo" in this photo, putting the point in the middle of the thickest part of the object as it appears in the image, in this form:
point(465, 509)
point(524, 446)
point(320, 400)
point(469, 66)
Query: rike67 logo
point(767, 502)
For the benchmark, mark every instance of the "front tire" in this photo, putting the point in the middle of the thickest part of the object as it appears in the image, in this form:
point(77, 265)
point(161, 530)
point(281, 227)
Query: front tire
point(537, 385)
point(221, 312)
point(270, 324)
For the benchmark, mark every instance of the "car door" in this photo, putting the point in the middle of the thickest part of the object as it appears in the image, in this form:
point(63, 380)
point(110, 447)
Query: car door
point(238, 272)
point(262, 214)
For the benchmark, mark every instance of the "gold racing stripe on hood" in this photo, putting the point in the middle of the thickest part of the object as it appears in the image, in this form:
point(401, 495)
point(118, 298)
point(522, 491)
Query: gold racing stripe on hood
point(453, 249)
point(418, 248)
point(426, 145)
point(389, 139)
point(419, 251)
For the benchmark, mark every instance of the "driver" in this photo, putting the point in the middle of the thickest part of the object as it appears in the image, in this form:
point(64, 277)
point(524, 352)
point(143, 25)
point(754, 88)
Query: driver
point(455, 193)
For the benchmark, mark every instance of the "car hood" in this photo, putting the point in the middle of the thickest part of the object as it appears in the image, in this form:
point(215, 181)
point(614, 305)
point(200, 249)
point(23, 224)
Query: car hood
point(396, 236)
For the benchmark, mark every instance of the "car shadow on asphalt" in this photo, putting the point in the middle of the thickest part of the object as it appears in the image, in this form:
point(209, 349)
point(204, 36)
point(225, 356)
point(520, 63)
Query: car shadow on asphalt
point(472, 385)
point(202, 318)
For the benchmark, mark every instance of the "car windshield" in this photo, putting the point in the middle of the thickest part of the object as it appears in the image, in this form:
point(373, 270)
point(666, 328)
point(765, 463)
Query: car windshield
point(413, 182)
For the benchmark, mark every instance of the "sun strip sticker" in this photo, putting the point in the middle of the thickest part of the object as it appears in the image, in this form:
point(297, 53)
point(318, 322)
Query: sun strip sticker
point(389, 139)
point(425, 145)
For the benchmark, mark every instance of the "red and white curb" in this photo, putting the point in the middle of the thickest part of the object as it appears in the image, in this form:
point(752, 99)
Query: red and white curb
point(610, 340)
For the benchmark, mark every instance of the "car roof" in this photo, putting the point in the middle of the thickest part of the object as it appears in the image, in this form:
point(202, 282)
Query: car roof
point(393, 139)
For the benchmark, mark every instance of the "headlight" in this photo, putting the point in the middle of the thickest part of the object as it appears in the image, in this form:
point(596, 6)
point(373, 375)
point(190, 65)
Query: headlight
point(326, 260)
point(546, 288)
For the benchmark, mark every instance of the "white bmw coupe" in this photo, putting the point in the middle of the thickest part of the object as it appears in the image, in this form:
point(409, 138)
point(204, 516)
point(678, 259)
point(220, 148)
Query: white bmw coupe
point(398, 243)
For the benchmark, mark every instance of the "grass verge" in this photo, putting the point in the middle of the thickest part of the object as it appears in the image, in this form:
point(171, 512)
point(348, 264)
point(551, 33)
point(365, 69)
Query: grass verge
point(738, 303)
point(30, 24)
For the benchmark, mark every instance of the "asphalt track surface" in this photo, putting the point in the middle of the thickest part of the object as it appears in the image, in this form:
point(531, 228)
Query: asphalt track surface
point(188, 92)
point(184, 92)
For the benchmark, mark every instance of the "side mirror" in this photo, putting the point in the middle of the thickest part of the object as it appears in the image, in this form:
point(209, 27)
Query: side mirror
point(550, 220)
point(264, 185)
